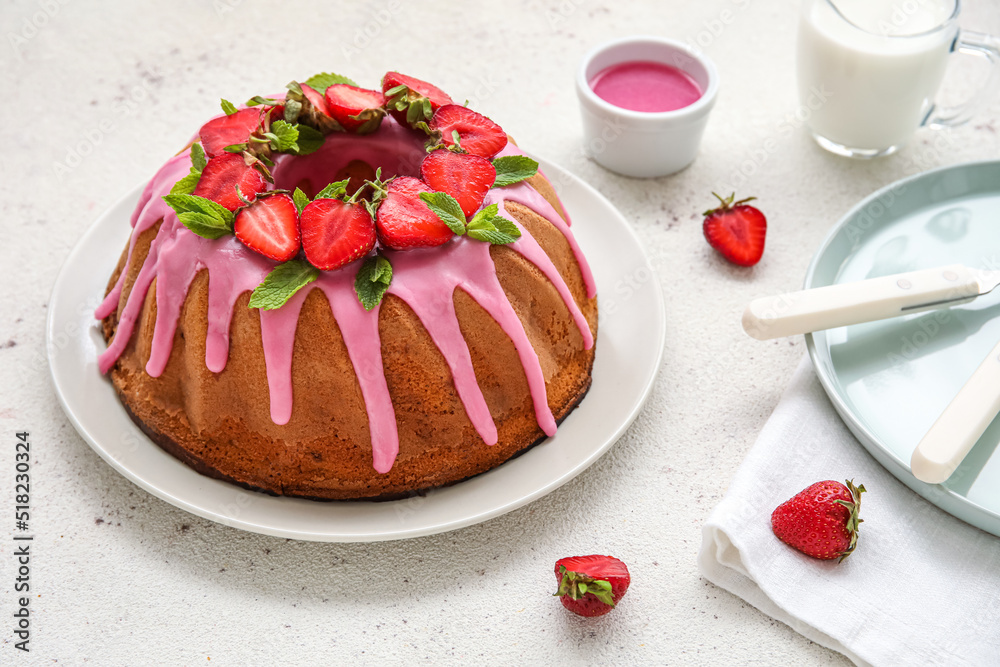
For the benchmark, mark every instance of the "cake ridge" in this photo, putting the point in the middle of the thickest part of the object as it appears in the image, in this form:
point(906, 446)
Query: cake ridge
point(176, 256)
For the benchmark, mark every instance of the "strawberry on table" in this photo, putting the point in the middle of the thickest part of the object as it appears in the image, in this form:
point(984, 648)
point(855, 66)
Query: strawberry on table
point(336, 232)
point(221, 176)
point(591, 585)
point(404, 220)
point(736, 230)
point(477, 134)
point(465, 177)
point(224, 131)
point(822, 520)
point(356, 109)
point(270, 226)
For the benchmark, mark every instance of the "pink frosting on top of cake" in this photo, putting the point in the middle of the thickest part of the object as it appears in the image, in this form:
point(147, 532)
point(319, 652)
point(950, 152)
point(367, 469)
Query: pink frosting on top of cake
point(424, 278)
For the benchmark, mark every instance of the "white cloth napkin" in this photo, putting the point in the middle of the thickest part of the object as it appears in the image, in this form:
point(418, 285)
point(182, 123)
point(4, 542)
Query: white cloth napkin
point(922, 588)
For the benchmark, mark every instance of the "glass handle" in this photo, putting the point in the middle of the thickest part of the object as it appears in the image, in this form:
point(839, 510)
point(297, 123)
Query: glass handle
point(973, 44)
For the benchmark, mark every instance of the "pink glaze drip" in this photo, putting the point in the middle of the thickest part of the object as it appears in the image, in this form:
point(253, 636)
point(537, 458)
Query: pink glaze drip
point(424, 279)
point(427, 279)
point(522, 193)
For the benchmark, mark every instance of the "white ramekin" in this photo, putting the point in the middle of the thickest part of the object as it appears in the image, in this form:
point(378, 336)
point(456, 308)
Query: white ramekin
point(637, 143)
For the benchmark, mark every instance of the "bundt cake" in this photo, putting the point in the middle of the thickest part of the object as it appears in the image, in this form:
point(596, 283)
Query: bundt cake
point(340, 293)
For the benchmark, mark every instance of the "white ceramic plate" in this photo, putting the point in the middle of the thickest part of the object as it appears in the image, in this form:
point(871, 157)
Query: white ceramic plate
point(629, 349)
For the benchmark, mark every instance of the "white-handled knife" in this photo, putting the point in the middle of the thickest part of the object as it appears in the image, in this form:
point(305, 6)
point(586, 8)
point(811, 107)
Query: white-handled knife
point(865, 301)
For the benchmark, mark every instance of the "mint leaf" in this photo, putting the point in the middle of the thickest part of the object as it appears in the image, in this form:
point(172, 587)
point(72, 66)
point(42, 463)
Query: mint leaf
point(334, 190)
point(372, 280)
point(228, 107)
point(301, 199)
point(202, 216)
point(257, 100)
point(186, 185)
point(320, 82)
point(491, 236)
point(282, 283)
point(506, 226)
point(513, 169)
point(445, 207)
point(310, 140)
point(283, 136)
point(198, 159)
point(489, 227)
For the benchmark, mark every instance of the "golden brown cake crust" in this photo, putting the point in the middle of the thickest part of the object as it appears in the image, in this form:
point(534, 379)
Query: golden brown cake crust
point(220, 425)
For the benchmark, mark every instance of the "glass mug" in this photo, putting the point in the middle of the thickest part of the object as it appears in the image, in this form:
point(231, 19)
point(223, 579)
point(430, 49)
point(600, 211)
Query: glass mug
point(868, 70)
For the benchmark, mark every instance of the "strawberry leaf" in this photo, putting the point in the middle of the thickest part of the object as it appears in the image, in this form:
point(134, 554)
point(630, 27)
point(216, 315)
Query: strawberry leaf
point(372, 281)
point(228, 107)
point(320, 82)
point(513, 169)
point(334, 190)
point(576, 584)
point(309, 140)
point(282, 283)
point(292, 110)
point(257, 100)
point(447, 209)
point(301, 199)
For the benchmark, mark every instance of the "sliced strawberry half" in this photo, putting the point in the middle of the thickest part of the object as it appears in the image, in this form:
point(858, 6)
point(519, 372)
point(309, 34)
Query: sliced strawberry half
point(415, 91)
point(465, 177)
point(736, 230)
point(357, 109)
point(404, 220)
point(224, 131)
point(477, 134)
point(335, 233)
point(270, 226)
point(315, 98)
point(221, 176)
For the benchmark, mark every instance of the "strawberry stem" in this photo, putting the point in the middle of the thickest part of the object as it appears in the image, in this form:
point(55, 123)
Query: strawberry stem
point(853, 521)
point(726, 203)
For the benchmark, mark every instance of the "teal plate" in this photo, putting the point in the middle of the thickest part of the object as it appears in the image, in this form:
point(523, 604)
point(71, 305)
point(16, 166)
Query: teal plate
point(890, 380)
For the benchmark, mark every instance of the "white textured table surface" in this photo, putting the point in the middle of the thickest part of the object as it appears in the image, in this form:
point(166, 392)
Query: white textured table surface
point(120, 577)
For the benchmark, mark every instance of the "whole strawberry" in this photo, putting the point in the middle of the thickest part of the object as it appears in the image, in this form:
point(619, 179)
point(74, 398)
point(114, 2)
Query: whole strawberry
point(822, 520)
point(736, 230)
point(591, 585)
